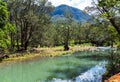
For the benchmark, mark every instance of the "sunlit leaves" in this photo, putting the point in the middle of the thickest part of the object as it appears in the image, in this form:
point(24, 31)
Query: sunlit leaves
point(4, 38)
point(5, 27)
point(110, 7)
point(3, 14)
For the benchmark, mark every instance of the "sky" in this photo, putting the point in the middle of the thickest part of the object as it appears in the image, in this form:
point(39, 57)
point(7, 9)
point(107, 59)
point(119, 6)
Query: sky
point(80, 4)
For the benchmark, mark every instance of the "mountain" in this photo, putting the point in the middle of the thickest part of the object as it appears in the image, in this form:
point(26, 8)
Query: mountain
point(78, 15)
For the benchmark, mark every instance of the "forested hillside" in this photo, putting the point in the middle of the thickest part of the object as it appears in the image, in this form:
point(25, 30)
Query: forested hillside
point(29, 23)
point(77, 14)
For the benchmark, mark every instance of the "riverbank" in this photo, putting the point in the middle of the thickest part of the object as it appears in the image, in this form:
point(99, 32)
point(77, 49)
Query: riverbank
point(45, 52)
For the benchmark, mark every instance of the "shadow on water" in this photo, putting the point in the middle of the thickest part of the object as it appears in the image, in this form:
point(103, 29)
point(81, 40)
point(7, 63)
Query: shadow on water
point(96, 56)
point(68, 73)
point(71, 69)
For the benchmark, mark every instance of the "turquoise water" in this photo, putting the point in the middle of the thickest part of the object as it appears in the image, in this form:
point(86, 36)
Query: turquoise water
point(45, 69)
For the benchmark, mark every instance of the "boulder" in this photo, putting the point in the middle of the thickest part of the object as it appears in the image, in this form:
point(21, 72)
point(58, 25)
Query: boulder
point(114, 78)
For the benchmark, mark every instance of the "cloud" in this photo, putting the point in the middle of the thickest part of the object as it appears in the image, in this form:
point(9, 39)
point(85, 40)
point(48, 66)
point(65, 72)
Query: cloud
point(81, 4)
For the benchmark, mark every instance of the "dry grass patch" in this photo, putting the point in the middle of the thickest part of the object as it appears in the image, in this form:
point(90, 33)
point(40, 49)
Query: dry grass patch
point(47, 52)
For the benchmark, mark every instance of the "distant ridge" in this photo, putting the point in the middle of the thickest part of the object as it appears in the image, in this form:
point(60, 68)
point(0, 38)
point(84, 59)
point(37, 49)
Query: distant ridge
point(78, 15)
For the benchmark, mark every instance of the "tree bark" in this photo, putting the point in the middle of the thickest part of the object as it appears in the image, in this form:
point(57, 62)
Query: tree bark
point(12, 41)
point(112, 21)
point(66, 47)
point(26, 45)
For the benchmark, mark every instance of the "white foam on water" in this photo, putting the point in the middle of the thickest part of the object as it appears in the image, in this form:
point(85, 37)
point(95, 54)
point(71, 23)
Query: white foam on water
point(94, 74)
point(60, 80)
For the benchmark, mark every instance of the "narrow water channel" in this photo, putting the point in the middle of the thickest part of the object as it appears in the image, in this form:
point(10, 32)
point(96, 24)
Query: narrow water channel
point(53, 69)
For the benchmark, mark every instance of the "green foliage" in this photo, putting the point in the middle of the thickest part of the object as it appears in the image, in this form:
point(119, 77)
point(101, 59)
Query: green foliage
point(109, 8)
point(31, 26)
point(3, 14)
point(4, 38)
point(99, 34)
point(113, 64)
point(31, 21)
point(44, 36)
point(64, 31)
point(5, 27)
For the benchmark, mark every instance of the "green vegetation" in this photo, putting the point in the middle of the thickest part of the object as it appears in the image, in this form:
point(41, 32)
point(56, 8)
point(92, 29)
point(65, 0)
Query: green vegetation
point(5, 27)
point(28, 25)
point(113, 65)
point(3, 14)
point(108, 10)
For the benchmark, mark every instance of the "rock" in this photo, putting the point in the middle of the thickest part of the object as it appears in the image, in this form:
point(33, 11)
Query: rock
point(115, 78)
point(36, 50)
point(5, 56)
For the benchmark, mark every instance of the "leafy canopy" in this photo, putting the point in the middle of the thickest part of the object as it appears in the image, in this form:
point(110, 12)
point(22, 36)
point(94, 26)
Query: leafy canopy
point(3, 14)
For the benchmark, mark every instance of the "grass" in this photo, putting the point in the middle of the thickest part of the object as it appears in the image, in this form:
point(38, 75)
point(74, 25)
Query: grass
point(46, 52)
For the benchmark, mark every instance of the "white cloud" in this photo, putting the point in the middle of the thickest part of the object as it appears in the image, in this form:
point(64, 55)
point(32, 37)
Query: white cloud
point(81, 4)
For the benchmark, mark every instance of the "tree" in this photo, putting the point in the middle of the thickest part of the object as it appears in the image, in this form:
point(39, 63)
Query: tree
point(3, 14)
point(67, 27)
point(108, 9)
point(27, 15)
point(99, 35)
point(5, 27)
point(63, 32)
point(44, 36)
point(76, 32)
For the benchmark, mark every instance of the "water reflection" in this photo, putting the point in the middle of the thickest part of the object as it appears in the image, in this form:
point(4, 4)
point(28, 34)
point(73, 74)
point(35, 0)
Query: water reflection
point(71, 68)
point(92, 75)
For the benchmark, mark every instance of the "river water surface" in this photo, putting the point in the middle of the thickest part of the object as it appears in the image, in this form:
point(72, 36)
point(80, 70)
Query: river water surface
point(54, 69)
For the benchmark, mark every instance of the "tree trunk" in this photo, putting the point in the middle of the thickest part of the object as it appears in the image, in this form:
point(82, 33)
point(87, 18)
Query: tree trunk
point(21, 33)
point(17, 40)
point(66, 47)
point(27, 37)
point(12, 41)
point(112, 21)
point(17, 37)
point(26, 45)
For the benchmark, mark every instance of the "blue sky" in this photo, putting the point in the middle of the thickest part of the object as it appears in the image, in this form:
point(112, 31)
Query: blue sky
point(81, 4)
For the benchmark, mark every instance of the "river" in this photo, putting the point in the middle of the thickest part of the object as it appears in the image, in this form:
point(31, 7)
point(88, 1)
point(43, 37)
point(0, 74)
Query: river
point(69, 68)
